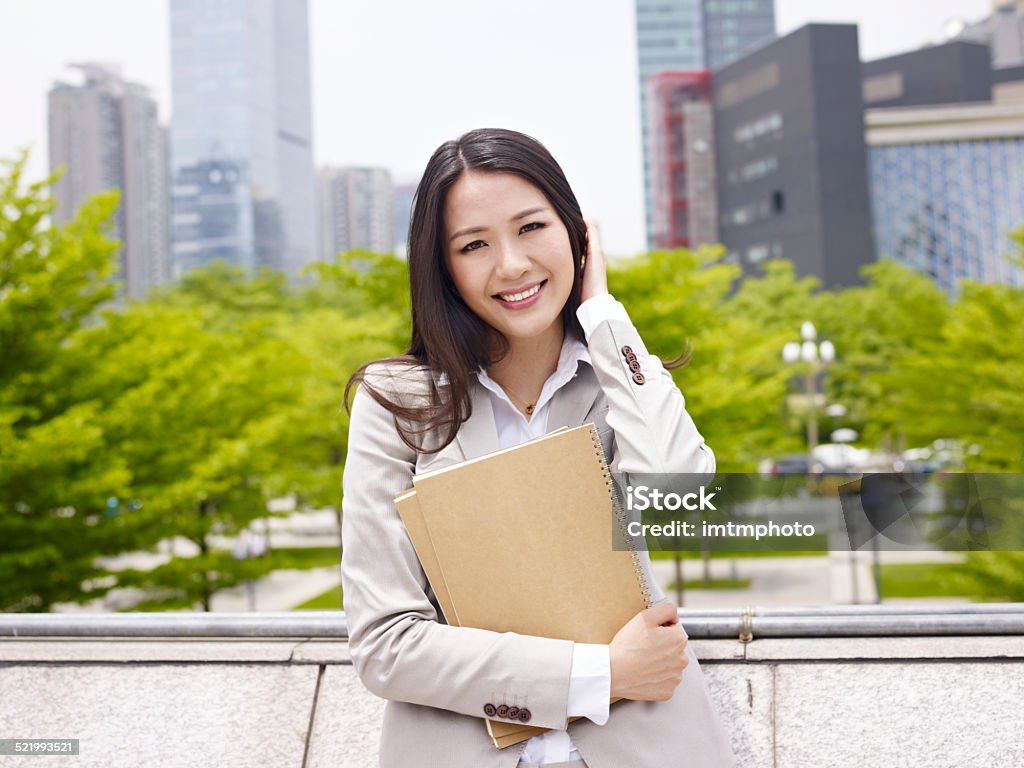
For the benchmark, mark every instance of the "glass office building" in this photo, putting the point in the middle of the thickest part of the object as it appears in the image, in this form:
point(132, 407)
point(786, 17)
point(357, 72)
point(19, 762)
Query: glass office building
point(947, 189)
point(241, 134)
point(733, 27)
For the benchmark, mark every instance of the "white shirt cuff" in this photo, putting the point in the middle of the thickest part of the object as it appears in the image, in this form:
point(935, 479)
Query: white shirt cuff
point(597, 309)
point(590, 683)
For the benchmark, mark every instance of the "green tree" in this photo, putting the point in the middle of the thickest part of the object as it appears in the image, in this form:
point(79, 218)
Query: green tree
point(965, 384)
point(898, 314)
point(198, 415)
point(56, 473)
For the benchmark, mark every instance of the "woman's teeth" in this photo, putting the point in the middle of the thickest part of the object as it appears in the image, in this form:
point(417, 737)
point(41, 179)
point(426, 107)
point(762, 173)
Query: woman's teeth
point(519, 296)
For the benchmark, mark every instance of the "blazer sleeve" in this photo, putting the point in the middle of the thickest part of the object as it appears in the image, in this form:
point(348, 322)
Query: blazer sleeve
point(656, 441)
point(398, 647)
point(654, 434)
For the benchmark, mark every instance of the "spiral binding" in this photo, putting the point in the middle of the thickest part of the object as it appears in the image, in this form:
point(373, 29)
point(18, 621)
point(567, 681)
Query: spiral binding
point(620, 516)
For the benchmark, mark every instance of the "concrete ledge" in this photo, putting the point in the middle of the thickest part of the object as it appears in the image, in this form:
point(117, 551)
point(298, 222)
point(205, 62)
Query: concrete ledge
point(900, 649)
point(943, 701)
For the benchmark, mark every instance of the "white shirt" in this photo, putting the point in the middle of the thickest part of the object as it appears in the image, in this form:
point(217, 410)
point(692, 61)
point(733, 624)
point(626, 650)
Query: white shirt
point(590, 682)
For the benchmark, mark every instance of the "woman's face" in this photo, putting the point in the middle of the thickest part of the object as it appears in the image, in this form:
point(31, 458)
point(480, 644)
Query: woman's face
point(508, 253)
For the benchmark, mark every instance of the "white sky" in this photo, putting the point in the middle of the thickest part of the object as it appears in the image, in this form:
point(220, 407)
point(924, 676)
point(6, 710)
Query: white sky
point(392, 80)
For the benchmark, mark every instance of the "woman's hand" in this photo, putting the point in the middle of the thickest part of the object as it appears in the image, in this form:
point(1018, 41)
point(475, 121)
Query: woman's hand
point(595, 275)
point(648, 655)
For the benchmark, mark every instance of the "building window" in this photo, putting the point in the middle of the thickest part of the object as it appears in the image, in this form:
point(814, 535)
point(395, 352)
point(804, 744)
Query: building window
point(883, 87)
point(756, 169)
point(749, 85)
point(778, 201)
point(762, 126)
point(757, 253)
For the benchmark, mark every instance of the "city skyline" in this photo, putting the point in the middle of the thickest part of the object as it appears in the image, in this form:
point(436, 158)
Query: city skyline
point(576, 92)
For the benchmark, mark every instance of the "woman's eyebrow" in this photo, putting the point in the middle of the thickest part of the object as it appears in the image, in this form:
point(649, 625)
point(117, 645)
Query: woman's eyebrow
point(529, 212)
point(517, 217)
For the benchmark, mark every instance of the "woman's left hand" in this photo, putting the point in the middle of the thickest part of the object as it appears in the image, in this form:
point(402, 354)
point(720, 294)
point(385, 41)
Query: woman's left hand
point(595, 275)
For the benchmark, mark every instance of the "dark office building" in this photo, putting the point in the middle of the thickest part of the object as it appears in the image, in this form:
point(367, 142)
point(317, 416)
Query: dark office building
point(952, 73)
point(791, 162)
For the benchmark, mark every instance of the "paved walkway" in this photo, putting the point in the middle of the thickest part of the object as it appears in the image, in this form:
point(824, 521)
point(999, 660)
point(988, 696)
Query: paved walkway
point(279, 591)
point(837, 578)
point(833, 579)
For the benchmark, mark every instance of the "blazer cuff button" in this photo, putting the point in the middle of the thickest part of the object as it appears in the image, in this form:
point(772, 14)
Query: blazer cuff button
point(490, 710)
point(503, 710)
point(524, 715)
point(513, 713)
point(626, 351)
point(639, 378)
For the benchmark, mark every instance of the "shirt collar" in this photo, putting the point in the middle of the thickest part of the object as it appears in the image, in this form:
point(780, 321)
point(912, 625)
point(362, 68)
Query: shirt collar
point(573, 353)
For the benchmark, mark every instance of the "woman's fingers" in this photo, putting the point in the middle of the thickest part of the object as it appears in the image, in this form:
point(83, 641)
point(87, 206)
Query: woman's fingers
point(595, 280)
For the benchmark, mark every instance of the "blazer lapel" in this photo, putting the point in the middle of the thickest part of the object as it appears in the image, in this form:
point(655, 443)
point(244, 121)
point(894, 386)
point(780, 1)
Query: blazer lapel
point(478, 435)
point(572, 403)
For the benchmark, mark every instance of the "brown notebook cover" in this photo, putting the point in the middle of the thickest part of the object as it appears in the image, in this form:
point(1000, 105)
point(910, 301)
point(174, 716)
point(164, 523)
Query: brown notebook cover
point(521, 541)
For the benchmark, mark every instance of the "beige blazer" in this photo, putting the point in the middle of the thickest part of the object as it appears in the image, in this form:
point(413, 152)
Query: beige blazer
point(437, 678)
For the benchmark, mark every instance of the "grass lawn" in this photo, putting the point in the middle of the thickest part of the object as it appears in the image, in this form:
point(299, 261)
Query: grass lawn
point(712, 584)
point(724, 555)
point(300, 558)
point(328, 601)
point(923, 580)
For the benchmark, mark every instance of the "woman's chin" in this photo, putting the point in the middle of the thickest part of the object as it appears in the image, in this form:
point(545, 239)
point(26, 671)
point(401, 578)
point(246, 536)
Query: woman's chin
point(530, 331)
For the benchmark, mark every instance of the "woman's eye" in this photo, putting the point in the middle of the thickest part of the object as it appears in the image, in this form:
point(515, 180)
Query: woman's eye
point(472, 246)
point(531, 226)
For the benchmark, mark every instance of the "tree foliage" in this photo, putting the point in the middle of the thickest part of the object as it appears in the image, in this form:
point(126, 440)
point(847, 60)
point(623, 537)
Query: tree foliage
point(55, 470)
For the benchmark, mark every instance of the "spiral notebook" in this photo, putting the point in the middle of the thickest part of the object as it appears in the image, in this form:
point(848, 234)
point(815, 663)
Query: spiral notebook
point(521, 540)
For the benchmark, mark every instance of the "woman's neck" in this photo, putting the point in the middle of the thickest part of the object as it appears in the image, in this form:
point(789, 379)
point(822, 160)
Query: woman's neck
point(528, 364)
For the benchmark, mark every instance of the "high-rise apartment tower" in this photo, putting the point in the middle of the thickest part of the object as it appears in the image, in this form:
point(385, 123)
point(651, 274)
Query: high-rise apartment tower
point(105, 134)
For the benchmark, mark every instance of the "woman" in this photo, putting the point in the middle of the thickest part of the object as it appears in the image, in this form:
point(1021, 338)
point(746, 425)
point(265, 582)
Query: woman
point(514, 334)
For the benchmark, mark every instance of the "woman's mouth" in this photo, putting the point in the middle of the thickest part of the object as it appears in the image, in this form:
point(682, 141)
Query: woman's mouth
point(522, 299)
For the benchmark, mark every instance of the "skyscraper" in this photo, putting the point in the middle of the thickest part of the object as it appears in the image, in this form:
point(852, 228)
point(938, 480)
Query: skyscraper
point(733, 27)
point(241, 134)
point(692, 35)
point(106, 134)
point(357, 210)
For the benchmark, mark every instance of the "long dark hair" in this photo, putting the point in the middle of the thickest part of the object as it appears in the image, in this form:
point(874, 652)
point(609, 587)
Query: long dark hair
point(447, 336)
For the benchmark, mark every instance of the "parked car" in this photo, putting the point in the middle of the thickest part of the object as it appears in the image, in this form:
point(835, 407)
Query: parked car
point(794, 464)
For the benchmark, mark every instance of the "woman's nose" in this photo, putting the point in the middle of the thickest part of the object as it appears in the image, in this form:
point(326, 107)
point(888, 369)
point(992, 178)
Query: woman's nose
point(512, 260)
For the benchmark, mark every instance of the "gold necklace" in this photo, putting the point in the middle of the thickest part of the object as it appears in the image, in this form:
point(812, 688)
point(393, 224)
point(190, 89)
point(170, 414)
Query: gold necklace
point(529, 406)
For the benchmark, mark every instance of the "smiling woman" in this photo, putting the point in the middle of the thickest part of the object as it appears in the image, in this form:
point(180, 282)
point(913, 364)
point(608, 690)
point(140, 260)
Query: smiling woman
point(512, 337)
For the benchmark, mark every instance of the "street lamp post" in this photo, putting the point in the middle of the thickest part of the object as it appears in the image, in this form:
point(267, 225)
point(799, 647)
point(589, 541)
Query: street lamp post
point(816, 356)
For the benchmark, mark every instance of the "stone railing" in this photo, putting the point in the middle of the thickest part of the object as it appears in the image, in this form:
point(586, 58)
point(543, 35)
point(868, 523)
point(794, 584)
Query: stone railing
point(838, 686)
